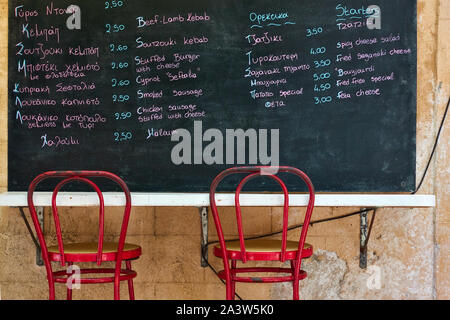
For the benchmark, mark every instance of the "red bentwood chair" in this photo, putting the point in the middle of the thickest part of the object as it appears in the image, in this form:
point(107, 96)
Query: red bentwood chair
point(99, 251)
point(262, 250)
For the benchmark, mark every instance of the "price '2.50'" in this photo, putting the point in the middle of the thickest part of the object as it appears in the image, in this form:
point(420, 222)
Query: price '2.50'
point(113, 4)
point(120, 98)
point(122, 115)
point(114, 28)
point(122, 136)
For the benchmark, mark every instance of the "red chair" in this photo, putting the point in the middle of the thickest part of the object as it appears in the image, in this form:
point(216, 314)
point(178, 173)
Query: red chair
point(262, 250)
point(99, 251)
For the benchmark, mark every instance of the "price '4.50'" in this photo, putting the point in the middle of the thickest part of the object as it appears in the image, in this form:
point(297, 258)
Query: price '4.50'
point(322, 87)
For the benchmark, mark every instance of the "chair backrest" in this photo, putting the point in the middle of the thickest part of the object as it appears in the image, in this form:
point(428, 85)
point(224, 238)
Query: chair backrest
point(254, 172)
point(83, 176)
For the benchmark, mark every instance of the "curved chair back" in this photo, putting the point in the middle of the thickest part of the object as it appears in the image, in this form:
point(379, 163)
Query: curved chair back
point(83, 176)
point(254, 172)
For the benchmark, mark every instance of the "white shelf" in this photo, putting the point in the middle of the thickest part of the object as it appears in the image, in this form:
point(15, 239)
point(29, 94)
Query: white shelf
point(19, 199)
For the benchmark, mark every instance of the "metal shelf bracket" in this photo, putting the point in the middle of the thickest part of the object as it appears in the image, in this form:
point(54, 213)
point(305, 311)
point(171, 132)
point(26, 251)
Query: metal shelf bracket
point(40, 216)
point(364, 235)
point(204, 240)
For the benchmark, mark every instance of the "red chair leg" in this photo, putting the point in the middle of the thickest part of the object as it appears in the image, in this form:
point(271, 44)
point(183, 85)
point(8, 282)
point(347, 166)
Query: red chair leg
point(130, 282)
point(69, 290)
point(116, 290)
point(295, 283)
point(50, 279)
point(51, 289)
point(116, 287)
point(230, 295)
point(233, 283)
point(69, 294)
point(233, 290)
point(295, 287)
point(228, 284)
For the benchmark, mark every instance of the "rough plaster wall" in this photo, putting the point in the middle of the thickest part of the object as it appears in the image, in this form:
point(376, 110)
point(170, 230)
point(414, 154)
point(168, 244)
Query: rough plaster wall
point(409, 247)
point(325, 275)
point(442, 161)
point(399, 261)
point(402, 252)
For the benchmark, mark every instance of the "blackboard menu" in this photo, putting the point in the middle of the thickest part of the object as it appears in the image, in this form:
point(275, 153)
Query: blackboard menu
point(167, 94)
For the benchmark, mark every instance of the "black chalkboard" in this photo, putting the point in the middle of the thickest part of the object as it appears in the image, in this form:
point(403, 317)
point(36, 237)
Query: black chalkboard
point(104, 85)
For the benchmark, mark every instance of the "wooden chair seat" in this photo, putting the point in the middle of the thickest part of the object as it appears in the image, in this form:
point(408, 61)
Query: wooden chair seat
point(87, 251)
point(262, 249)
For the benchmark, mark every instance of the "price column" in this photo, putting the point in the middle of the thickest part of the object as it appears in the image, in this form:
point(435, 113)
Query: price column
point(119, 64)
point(321, 68)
